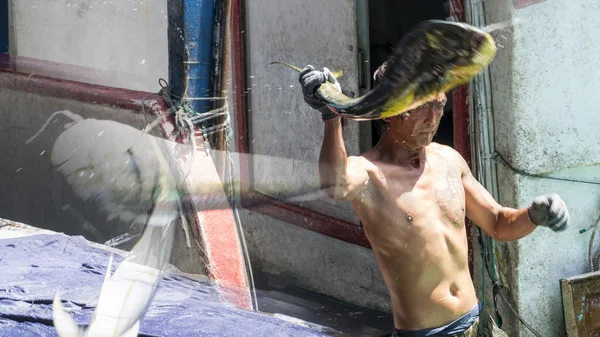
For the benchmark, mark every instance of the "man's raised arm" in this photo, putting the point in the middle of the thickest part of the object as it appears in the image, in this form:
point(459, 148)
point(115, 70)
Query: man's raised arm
point(342, 177)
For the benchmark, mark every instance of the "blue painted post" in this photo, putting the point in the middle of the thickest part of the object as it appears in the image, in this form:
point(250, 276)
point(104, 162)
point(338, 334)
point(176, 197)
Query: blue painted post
point(190, 50)
point(3, 26)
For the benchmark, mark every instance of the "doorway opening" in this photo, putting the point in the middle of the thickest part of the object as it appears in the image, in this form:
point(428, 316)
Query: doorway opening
point(389, 20)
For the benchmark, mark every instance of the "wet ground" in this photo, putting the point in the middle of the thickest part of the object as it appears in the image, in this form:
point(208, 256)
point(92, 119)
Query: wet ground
point(276, 295)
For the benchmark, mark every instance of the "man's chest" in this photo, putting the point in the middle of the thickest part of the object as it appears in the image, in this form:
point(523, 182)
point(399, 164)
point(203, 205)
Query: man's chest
point(436, 189)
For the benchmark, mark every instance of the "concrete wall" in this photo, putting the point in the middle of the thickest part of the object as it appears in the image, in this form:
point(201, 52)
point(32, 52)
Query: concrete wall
point(125, 40)
point(544, 84)
point(282, 126)
point(315, 262)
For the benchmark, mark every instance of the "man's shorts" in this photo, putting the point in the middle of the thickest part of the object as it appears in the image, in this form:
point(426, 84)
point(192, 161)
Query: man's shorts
point(472, 324)
point(484, 326)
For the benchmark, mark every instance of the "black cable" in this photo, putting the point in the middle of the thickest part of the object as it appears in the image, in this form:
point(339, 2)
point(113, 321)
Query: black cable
point(497, 156)
point(497, 290)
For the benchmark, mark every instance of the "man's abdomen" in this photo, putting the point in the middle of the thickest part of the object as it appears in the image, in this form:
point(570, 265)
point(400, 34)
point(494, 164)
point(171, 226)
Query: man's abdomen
point(427, 275)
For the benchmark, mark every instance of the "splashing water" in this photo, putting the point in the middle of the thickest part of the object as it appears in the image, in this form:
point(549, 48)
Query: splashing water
point(499, 26)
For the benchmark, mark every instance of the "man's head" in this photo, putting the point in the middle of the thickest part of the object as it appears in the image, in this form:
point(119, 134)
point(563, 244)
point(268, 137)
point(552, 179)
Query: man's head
point(416, 128)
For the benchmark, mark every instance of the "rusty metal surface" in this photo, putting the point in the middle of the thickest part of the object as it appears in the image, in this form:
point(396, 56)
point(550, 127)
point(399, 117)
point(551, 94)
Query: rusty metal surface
point(581, 304)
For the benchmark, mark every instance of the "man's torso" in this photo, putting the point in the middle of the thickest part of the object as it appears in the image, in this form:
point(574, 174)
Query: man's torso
point(414, 220)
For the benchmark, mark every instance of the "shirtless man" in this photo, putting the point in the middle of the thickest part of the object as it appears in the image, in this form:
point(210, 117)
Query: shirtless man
point(412, 196)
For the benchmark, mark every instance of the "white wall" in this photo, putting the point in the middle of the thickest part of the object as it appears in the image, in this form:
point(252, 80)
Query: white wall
point(545, 81)
point(125, 39)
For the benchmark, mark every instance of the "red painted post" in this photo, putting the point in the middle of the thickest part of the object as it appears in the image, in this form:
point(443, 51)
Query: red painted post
point(460, 121)
point(518, 4)
point(215, 229)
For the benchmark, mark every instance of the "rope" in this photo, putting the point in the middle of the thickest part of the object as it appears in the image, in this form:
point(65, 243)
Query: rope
point(231, 193)
point(186, 119)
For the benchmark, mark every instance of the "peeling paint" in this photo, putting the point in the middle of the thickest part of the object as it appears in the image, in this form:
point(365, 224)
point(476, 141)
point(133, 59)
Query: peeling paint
point(518, 4)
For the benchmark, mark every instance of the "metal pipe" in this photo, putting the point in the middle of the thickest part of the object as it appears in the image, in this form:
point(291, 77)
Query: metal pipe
point(484, 130)
point(482, 113)
point(190, 33)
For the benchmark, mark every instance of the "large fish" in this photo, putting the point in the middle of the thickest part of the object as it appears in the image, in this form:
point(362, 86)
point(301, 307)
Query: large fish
point(102, 169)
point(435, 56)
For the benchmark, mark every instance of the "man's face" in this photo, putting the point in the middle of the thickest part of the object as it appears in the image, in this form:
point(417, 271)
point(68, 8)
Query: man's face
point(417, 128)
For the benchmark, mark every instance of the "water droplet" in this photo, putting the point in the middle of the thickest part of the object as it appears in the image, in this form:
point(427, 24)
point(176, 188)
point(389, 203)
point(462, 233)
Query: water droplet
point(143, 61)
point(19, 169)
point(100, 134)
point(42, 152)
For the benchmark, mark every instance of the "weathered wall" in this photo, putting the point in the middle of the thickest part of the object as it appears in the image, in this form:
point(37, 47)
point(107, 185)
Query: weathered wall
point(544, 82)
point(295, 32)
point(315, 262)
point(125, 40)
point(281, 123)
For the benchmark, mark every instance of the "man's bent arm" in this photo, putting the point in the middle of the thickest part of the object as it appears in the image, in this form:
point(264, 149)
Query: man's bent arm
point(501, 223)
point(342, 178)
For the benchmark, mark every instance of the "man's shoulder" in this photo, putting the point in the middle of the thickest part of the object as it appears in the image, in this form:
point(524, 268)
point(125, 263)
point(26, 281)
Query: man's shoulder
point(443, 150)
point(370, 156)
point(368, 160)
point(448, 154)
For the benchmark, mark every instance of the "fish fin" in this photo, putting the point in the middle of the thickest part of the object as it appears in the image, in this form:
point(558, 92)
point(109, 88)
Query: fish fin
point(105, 283)
point(63, 322)
point(133, 331)
point(108, 268)
point(108, 275)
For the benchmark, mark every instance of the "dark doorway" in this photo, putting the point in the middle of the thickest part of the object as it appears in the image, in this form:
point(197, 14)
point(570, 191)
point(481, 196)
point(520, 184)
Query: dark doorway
point(388, 21)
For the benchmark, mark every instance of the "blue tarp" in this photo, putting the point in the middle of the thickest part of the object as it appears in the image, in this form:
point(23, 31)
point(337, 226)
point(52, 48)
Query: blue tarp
point(33, 268)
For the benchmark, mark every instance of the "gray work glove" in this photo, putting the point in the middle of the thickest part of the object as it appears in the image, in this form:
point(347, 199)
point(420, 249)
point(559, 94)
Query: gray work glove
point(310, 80)
point(549, 211)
